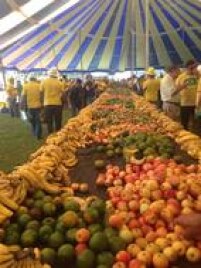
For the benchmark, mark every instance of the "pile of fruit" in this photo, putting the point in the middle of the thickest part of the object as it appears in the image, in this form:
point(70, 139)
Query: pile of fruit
point(63, 230)
point(44, 221)
point(145, 200)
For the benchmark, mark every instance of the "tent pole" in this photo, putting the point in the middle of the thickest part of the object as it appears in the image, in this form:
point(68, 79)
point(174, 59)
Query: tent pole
point(3, 72)
point(80, 43)
point(147, 30)
point(132, 54)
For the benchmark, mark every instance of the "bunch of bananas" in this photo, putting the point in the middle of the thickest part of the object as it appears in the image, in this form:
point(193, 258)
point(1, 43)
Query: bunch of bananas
point(12, 193)
point(33, 179)
point(15, 257)
point(7, 256)
point(190, 143)
point(29, 263)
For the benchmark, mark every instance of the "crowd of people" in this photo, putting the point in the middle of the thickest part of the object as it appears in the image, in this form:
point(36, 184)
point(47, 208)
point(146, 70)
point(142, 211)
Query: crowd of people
point(177, 93)
point(49, 97)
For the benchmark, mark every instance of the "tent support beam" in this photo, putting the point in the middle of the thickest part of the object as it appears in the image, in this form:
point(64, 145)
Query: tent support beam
point(3, 72)
point(147, 31)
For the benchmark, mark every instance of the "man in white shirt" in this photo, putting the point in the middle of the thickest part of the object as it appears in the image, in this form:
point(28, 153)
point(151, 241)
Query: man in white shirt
point(167, 89)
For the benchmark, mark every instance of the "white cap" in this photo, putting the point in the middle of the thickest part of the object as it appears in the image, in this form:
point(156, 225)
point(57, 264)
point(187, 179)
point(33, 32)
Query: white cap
point(53, 72)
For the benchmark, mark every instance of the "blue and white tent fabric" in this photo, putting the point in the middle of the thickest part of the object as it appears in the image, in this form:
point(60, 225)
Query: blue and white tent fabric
point(100, 35)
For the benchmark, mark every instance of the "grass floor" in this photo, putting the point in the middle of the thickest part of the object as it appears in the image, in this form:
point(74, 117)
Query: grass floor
point(17, 142)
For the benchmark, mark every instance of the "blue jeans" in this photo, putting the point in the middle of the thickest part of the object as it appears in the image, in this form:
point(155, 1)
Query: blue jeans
point(34, 118)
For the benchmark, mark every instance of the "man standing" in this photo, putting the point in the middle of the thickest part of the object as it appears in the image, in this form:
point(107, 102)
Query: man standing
point(31, 96)
point(76, 97)
point(135, 85)
point(52, 91)
point(171, 104)
point(90, 92)
point(151, 86)
point(12, 97)
point(187, 83)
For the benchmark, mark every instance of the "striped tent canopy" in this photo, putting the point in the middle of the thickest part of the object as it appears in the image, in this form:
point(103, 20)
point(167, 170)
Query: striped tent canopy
point(99, 35)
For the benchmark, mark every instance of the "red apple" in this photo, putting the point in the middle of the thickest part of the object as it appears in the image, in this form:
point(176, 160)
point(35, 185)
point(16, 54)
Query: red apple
point(136, 264)
point(123, 256)
point(134, 205)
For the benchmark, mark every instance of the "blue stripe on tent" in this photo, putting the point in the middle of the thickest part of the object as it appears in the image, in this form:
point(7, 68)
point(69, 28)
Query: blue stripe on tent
point(142, 13)
point(58, 41)
point(170, 18)
point(39, 30)
point(196, 52)
point(193, 5)
point(188, 24)
point(44, 41)
point(55, 61)
point(153, 58)
point(114, 64)
point(173, 54)
point(87, 40)
point(198, 20)
point(98, 55)
point(172, 7)
point(123, 20)
point(101, 47)
point(112, 20)
point(190, 44)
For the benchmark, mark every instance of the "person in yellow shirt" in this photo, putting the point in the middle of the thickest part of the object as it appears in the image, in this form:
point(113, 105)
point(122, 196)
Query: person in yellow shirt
point(31, 98)
point(12, 97)
point(52, 93)
point(198, 99)
point(151, 87)
point(188, 83)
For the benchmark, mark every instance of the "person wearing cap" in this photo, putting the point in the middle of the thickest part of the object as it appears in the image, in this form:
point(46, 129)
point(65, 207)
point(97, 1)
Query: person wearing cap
point(52, 92)
point(151, 86)
point(187, 83)
point(76, 97)
point(12, 97)
point(32, 100)
point(171, 104)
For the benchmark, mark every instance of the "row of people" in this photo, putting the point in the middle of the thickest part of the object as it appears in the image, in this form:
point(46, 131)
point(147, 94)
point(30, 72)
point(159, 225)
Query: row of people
point(52, 94)
point(177, 93)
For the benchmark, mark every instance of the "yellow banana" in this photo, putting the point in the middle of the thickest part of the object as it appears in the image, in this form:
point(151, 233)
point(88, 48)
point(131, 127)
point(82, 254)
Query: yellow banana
point(3, 249)
point(3, 218)
point(8, 202)
point(14, 248)
point(5, 211)
point(5, 258)
point(21, 192)
point(50, 188)
point(8, 264)
point(27, 175)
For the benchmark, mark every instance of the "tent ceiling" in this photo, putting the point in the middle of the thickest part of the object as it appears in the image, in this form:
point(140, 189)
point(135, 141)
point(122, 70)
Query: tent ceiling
point(100, 34)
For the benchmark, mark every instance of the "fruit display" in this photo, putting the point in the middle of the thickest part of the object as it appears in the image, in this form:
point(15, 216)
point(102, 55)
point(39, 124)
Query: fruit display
point(105, 192)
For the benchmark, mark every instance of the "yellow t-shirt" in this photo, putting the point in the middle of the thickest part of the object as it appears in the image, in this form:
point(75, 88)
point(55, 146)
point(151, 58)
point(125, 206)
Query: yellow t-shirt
point(151, 88)
point(52, 89)
point(32, 91)
point(198, 98)
point(11, 91)
point(188, 95)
